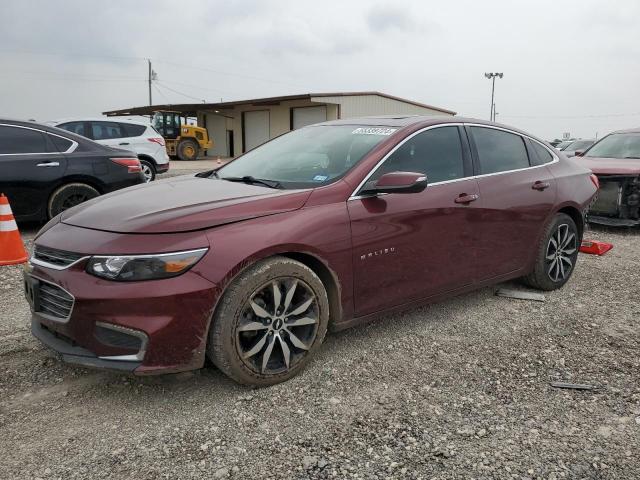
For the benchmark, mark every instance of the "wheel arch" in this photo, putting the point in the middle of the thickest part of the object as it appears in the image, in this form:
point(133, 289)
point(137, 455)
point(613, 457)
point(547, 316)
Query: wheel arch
point(575, 215)
point(328, 277)
point(144, 156)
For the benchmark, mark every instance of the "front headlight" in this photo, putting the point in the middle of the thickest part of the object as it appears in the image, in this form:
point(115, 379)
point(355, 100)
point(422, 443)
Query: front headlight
point(134, 268)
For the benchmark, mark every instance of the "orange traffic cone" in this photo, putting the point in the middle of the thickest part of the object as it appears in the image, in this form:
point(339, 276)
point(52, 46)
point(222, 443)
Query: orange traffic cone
point(12, 249)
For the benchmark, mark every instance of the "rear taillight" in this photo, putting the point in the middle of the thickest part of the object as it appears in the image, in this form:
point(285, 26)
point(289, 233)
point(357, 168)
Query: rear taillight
point(158, 140)
point(595, 181)
point(132, 164)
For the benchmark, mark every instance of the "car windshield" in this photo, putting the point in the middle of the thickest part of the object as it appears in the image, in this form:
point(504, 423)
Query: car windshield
point(563, 145)
point(617, 145)
point(308, 157)
point(579, 145)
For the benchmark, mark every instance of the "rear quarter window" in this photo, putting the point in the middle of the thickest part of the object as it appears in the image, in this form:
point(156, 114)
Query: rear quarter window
point(62, 144)
point(132, 130)
point(499, 151)
point(542, 155)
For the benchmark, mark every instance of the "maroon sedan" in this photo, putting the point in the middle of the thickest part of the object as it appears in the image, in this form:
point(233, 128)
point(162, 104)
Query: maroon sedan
point(321, 228)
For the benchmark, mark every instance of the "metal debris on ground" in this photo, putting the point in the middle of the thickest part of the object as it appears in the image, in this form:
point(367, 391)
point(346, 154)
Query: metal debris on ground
point(574, 386)
point(520, 294)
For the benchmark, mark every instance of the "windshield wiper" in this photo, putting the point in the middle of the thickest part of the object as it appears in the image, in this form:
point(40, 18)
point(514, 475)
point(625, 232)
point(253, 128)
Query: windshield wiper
point(252, 180)
point(632, 157)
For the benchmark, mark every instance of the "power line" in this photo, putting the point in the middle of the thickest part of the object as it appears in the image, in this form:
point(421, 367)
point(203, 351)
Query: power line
point(179, 93)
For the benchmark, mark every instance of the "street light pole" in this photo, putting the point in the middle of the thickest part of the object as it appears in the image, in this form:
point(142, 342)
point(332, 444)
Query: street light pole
point(492, 77)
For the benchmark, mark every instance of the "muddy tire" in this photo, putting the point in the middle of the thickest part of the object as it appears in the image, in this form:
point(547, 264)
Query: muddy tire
point(556, 255)
point(269, 322)
point(188, 150)
point(68, 196)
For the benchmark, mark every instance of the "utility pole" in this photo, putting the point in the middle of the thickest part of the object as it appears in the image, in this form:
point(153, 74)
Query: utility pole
point(492, 77)
point(149, 78)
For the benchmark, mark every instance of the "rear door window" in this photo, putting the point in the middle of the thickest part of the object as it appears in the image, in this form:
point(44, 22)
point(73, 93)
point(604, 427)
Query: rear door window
point(436, 152)
point(74, 127)
point(16, 140)
point(499, 151)
point(106, 130)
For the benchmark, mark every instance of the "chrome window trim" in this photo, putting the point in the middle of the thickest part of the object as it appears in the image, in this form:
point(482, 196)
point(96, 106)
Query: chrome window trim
point(50, 317)
point(138, 357)
point(556, 159)
point(71, 149)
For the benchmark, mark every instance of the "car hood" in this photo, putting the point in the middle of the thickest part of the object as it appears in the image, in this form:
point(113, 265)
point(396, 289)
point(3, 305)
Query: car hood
point(181, 204)
point(611, 166)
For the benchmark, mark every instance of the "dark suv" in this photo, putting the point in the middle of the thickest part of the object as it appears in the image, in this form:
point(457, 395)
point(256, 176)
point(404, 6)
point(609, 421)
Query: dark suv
point(45, 170)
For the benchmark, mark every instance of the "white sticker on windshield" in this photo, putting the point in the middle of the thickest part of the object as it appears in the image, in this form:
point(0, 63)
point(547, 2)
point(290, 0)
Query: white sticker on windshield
point(373, 131)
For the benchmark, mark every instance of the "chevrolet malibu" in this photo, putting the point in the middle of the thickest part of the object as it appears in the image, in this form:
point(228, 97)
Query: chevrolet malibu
point(321, 228)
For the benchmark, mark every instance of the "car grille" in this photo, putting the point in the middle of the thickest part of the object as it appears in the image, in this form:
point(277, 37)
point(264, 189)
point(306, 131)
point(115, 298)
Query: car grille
point(54, 301)
point(59, 258)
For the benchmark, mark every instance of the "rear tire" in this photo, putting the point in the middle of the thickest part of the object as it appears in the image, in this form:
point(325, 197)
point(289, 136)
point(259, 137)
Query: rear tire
point(188, 150)
point(556, 255)
point(269, 322)
point(68, 196)
point(148, 170)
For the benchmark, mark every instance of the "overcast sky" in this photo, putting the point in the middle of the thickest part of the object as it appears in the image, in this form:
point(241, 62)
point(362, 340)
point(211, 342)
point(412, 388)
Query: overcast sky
point(569, 66)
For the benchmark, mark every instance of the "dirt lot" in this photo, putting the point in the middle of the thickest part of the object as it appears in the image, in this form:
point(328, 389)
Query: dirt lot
point(455, 390)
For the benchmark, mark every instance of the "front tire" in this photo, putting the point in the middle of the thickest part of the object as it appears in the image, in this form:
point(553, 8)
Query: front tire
point(68, 196)
point(557, 254)
point(269, 322)
point(188, 150)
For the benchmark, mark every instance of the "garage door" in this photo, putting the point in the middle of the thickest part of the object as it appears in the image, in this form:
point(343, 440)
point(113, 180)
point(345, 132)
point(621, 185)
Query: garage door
point(304, 116)
point(255, 128)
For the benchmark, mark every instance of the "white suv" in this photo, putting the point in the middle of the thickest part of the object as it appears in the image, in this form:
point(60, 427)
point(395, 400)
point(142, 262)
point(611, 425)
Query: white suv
point(138, 137)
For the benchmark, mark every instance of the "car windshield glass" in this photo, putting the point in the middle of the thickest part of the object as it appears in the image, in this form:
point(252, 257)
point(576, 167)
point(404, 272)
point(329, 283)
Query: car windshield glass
point(617, 145)
point(563, 145)
point(308, 157)
point(579, 145)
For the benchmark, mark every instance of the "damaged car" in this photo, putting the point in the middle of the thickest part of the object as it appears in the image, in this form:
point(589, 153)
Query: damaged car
point(615, 160)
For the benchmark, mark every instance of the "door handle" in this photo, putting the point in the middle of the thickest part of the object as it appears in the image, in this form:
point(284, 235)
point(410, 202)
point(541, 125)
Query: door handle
point(465, 198)
point(48, 164)
point(540, 185)
point(124, 143)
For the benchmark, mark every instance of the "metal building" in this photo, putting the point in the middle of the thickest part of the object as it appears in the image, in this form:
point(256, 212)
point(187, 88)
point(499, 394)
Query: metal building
point(238, 126)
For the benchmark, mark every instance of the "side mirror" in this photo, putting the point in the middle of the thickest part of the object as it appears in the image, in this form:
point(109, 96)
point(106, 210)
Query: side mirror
point(397, 182)
point(578, 153)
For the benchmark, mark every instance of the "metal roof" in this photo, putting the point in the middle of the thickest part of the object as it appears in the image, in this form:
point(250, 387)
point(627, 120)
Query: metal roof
point(191, 108)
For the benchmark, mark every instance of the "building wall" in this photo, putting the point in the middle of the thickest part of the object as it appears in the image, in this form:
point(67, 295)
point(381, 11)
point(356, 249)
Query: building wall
point(279, 118)
point(367, 105)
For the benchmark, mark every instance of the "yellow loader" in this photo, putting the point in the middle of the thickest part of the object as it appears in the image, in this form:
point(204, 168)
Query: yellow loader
point(182, 141)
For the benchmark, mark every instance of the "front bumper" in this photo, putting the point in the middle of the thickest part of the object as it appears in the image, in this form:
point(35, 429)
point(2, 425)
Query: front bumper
point(612, 221)
point(75, 354)
point(155, 326)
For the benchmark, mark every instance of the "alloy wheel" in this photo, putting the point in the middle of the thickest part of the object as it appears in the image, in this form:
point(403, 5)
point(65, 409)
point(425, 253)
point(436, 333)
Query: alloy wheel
point(73, 200)
point(560, 250)
point(277, 326)
point(146, 171)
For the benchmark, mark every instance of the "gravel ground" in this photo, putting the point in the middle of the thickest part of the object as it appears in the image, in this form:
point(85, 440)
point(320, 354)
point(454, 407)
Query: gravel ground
point(456, 390)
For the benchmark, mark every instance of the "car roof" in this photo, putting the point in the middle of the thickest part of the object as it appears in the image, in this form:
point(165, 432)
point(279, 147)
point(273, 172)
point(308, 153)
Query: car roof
point(406, 121)
point(628, 130)
point(48, 128)
point(97, 119)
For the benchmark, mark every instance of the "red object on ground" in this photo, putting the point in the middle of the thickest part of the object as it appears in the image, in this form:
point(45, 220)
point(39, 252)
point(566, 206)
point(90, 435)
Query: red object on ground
point(12, 249)
point(593, 247)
